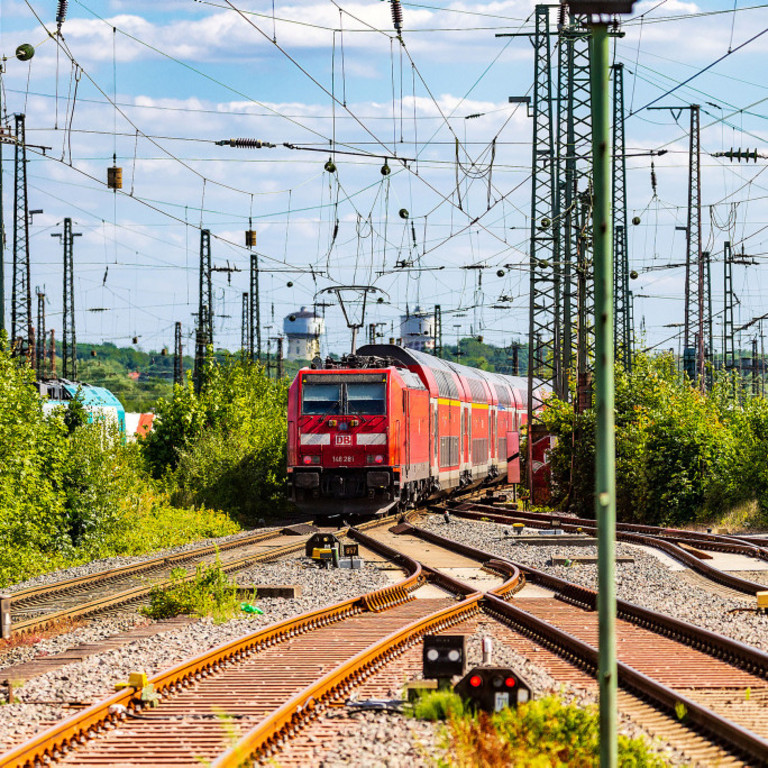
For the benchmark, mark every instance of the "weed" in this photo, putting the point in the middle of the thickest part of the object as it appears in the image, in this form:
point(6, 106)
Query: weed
point(438, 705)
point(545, 733)
point(209, 593)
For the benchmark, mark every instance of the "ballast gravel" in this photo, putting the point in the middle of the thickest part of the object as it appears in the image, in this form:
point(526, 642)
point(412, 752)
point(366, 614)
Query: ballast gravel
point(647, 581)
point(46, 698)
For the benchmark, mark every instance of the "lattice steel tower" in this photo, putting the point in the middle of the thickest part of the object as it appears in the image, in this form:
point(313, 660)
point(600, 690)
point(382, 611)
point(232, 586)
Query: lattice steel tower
point(623, 331)
point(543, 339)
point(68, 337)
point(693, 334)
point(21, 298)
point(178, 356)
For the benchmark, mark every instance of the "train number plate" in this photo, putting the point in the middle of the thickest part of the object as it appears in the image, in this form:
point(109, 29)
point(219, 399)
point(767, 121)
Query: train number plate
point(342, 459)
point(342, 439)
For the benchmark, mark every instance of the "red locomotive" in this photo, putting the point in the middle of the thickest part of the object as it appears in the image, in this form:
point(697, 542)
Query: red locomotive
point(393, 426)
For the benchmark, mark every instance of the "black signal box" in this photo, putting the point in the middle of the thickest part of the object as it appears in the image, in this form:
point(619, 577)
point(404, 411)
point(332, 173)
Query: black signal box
point(493, 688)
point(444, 656)
point(321, 541)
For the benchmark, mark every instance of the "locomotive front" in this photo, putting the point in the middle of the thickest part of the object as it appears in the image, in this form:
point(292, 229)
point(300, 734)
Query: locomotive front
point(342, 457)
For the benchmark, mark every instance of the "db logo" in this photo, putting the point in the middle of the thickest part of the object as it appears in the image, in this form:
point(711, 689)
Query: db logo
point(342, 440)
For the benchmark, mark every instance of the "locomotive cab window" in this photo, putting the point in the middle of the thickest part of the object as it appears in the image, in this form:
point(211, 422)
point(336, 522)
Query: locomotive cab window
point(332, 395)
point(321, 399)
point(366, 398)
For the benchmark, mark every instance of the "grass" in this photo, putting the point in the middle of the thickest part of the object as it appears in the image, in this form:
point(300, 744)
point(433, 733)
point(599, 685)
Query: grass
point(743, 518)
point(209, 593)
point(544, 733)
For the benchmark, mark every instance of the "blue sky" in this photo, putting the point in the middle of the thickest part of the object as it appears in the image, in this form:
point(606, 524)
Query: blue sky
point(185, 74)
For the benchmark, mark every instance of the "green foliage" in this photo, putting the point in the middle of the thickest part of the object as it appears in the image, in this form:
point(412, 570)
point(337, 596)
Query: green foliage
point(680, 455)
point(539, 734)
point(209, 593)
point(71, 492)
point(438, 705)
point(224, 447)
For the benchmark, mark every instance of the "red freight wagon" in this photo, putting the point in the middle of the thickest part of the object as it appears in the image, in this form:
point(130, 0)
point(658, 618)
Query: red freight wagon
point(391, 426)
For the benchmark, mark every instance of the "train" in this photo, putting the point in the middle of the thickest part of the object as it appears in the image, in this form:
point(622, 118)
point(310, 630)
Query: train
point(99, 403)
point(390, 427)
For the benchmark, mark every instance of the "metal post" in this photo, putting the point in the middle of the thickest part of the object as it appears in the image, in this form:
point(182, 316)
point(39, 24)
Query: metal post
point(605, 458)
point(52, 354)
point(255, 322)
point(178, 356)
point(245, 327)
point(40, 356)
point(21, 298)
point(693, 275)
point(279, 357)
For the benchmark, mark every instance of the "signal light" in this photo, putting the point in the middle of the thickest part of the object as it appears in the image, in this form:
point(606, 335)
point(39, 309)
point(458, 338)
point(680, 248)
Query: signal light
point(493, 688)
point(444, 656)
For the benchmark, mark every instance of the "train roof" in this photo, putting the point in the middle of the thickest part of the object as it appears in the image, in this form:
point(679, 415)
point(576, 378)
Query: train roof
point(442, 369)
point(90, 395)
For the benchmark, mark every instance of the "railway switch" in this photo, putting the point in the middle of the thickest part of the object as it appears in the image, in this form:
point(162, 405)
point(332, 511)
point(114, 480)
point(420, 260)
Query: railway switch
point(444, 656)
point(493, 688)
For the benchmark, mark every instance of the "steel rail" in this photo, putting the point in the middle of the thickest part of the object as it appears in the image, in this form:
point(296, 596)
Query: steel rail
point(579, 652)
point(673, 550)
point(279, 726)
point(134, 594)
point(713, 541)
point(74, 730)
point(751, 659)
point(135, 568)
point(575, 650)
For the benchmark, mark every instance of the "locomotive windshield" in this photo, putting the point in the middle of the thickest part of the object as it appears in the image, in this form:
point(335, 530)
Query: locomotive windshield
point(366, 398)
point(321, 399)
point(332, 395)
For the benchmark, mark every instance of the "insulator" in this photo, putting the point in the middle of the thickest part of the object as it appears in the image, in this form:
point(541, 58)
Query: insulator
point(61, 13)
point(115, 177)
point(335, 231)
point(250, 238)
point(561, 16)
point(653, 177)
point(25, 52)
point(397, 16)
point(413, 233)
point(246, 143)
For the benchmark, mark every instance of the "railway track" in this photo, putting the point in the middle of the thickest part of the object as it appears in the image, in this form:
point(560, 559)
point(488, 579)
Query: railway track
point(269, 684)
point(684, 546)
point(39, 608)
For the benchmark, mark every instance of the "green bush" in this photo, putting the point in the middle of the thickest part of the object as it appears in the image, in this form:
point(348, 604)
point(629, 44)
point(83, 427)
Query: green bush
point(680, 455)
point(545, 733)
point(224, 447)
point(438, 705)
point(71, 492)
point(209, 593)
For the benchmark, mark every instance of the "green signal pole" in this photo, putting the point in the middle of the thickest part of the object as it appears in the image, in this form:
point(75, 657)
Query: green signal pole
point(605, 459)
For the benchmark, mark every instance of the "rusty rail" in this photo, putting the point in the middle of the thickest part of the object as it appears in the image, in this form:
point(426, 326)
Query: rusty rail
point(673, 550)
point(73, 730)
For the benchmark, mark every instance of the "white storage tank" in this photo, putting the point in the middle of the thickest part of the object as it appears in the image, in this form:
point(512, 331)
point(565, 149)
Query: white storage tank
point(417, 330)
point(303, 330)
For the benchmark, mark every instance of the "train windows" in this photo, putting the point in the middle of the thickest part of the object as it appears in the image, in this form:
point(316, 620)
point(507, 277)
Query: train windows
point(321, 399)
point(368, 398)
